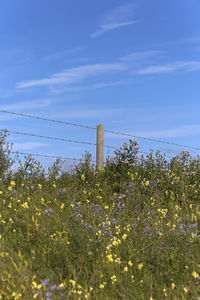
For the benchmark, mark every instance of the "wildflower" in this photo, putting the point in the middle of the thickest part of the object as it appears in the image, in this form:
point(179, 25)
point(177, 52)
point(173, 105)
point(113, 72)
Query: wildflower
point(24, 205)
point(61, 286)
point(124, 236)
point(113, 278)
point(110, 258)
point(186, 289)
point(1, 192)
point(125, 269)
point(130, 263)
point(10, 188)
point(12, 183)
point(101, 286)
point(83, 177)
point(173, 285)
point(72, 282)
point(16, 295)
point(46, 281)
point(140, 266)
point(117, 260)
point(195, 274)
point(39, 186)
point(49, 294)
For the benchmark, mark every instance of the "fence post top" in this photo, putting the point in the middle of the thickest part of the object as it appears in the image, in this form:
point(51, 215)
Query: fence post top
point(100, 125)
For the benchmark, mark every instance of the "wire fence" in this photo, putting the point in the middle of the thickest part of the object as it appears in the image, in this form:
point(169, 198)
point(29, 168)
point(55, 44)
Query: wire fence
point(75, 160)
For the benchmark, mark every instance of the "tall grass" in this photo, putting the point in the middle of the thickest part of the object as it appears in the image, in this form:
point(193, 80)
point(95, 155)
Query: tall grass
point(128, 231)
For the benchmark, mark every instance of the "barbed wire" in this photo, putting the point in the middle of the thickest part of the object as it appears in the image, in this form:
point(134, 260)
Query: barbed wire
point(46, 119)
point(153, 140)
point(109, 131)
point(55, 138)
point(47, 156)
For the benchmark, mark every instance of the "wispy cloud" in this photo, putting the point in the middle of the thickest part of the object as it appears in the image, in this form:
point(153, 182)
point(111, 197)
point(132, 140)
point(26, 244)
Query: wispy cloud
point(118, 17)
point(61, 54)
point(181, 131)
point(79, 88)
point(27, 105)
point(6, 93)
point(166, 68)
point(74, 75)
point(142, 55)
point(109, 27)
point(28, 146)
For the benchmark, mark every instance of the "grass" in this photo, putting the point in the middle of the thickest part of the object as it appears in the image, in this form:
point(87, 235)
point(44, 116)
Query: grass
point(128, 231)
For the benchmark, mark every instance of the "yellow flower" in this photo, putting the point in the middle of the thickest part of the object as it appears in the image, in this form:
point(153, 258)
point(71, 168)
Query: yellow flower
point(173, 285)
point(72, 282)
point(1, 192)
point(110, 258)
point(10, 188)
point(12, 183)
point(101, 286)
point(185, 290)
point(62, 205)
point(195, 274)
point(113, 277)
point(24, 205)
point(125, 269)
point(124, 236)
point(83, 177)
point(140, 266)
point(40, 186)
point(130, 263)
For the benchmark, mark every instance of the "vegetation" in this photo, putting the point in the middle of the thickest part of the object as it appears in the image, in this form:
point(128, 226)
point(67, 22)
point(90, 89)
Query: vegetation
point(128, 231)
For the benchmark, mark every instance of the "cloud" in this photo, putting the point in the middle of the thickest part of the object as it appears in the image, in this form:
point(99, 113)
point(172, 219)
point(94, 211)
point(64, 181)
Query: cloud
point(109, 27)
point(118, 17)
point(28, 146)
point(61, 54)
point(79, 88)
point(27, 105)
point(74, 75)
point(6, 93)
point(181, 131)
point(183, 65)
point(142, 55)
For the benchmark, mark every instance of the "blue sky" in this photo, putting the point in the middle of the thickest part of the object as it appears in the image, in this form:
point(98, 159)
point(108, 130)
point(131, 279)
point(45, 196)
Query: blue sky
point(133, 66)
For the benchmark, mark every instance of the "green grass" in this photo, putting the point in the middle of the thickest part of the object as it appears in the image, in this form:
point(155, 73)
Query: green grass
point(128, 231)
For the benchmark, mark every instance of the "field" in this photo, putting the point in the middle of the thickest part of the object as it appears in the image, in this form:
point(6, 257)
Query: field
point(128, 231)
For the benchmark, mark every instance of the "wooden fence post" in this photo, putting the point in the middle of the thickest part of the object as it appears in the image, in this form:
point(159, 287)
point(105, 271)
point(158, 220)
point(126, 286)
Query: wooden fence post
point(100, 146)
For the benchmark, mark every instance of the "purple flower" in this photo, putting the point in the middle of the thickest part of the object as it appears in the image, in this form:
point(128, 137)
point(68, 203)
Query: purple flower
point(45, 282)
point(49, 294)
point(53, 287)
point(49, 210)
